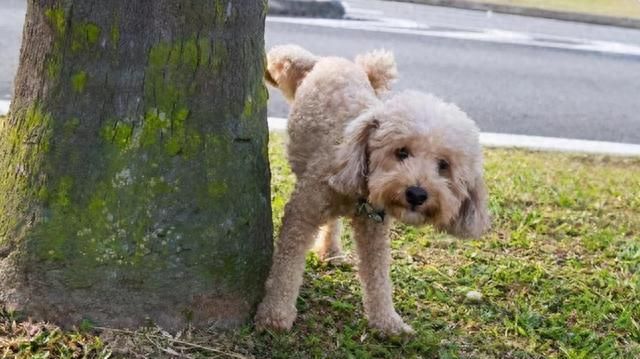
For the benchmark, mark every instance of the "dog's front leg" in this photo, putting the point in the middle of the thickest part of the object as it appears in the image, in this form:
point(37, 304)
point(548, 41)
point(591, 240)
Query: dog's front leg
point(374, 253)
point(304, 213)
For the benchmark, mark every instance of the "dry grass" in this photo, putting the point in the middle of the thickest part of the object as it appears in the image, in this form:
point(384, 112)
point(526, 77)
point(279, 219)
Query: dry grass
point(616, 8)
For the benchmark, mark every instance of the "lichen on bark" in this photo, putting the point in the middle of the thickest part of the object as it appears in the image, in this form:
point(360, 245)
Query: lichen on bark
point(149, 176)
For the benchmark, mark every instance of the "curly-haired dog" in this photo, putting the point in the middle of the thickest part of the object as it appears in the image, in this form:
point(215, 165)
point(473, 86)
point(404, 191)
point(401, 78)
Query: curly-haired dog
point(413, 157)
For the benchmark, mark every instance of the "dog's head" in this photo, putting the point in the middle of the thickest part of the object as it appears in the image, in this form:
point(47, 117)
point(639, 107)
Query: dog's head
point(419, 159)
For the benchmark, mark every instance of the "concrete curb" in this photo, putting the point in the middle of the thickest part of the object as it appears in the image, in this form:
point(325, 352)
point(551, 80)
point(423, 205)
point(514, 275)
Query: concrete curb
point(487, 139)
point(533, 143)
point(4, 107)
point(332, 9)
point(533, 12)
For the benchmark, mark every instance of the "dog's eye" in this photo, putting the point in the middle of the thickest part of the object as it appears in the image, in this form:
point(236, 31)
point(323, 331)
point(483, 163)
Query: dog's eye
point(402, 153)
point(443, 165)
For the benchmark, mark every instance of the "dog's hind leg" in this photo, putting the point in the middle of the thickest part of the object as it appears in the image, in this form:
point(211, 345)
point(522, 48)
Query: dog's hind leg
point(374, 254)
point(328, 245)
point(306, 211)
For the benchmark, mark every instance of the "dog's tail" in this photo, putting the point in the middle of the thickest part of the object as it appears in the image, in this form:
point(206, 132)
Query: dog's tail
point(287, 65)
point(380, 66)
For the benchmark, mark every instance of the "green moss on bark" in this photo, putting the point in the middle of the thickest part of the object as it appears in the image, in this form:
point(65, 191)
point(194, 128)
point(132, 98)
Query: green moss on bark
point(118, 133)
point(57, 18)
point(152, 178)
point(255, 100)
point(26, 138)
point(79, 81)
point(114, 34)
point(221, 11)
point(84, 35)
point(121, 223)
point(220, 57)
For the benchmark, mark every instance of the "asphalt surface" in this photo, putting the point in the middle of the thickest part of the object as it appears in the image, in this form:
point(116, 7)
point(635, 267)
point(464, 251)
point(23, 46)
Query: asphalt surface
point(11, 20)
point(506, 88)
point(443, 16)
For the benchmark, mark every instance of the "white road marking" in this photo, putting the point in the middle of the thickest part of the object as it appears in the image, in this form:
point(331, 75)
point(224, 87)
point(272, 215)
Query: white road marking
point(277, 124)
point(553, 144)
point(556, 144)
point(408, 27)
point(4, 107)
point(355, 12)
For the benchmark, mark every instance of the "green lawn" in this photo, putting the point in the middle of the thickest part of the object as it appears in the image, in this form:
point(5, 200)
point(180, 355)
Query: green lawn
point(559, 272)
point(617, 8)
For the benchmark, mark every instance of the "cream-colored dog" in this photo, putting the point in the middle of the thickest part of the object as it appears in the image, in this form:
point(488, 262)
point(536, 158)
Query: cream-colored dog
point(413, 157)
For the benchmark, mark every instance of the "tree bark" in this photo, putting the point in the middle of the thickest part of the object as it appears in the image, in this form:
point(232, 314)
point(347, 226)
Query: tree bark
point(134, 179)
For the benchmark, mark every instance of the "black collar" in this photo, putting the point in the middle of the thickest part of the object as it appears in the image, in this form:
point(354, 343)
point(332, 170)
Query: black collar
point(364, 208)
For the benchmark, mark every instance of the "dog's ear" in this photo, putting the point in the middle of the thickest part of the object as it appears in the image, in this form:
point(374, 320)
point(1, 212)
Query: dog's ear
point(473, 219)
point(351, 167)
point(268, 78)
point(287, 66)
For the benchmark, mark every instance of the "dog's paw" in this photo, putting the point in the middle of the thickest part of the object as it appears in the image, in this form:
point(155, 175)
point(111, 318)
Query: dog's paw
point(390, 325)
point(271, 317)
point(340, 260)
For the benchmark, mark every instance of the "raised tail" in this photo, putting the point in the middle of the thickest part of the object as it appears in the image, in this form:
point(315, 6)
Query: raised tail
point(380, 66)
point(287, 65)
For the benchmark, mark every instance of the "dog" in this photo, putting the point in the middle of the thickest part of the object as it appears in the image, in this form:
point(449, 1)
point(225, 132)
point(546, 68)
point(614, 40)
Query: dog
point(412, 158)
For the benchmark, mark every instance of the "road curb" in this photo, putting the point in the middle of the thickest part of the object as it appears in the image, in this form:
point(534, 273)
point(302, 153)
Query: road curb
point(332, 9)
point(504, 140)
point(4, 107)
point(533, 143)
point(533, 12)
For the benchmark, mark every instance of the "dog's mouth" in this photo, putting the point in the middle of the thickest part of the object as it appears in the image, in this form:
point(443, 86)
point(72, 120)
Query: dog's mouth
point(418, 215)
point(437, 209)
point(412, 215)
point(399, 208)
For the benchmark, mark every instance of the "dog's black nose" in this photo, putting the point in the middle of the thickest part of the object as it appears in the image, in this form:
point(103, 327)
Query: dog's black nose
point(416, 195)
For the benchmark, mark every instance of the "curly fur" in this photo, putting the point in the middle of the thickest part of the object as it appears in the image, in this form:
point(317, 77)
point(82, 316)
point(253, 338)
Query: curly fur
point(380, 67)
point(344, 146)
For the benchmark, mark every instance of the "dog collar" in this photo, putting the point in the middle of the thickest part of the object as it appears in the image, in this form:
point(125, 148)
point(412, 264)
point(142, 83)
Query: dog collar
point(364, 208)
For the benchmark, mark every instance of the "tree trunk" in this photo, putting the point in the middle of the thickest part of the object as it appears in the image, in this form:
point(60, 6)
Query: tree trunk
point(134, 179)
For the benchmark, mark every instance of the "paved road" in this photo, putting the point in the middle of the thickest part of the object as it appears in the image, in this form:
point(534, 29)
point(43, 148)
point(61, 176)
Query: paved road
point(534, 89)
point(443, 16)
point(506, 88)
point(11, 19)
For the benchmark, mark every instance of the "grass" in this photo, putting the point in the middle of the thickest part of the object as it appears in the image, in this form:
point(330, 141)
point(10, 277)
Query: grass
point(23, 339)
point(559, 274)
point(615, 8)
